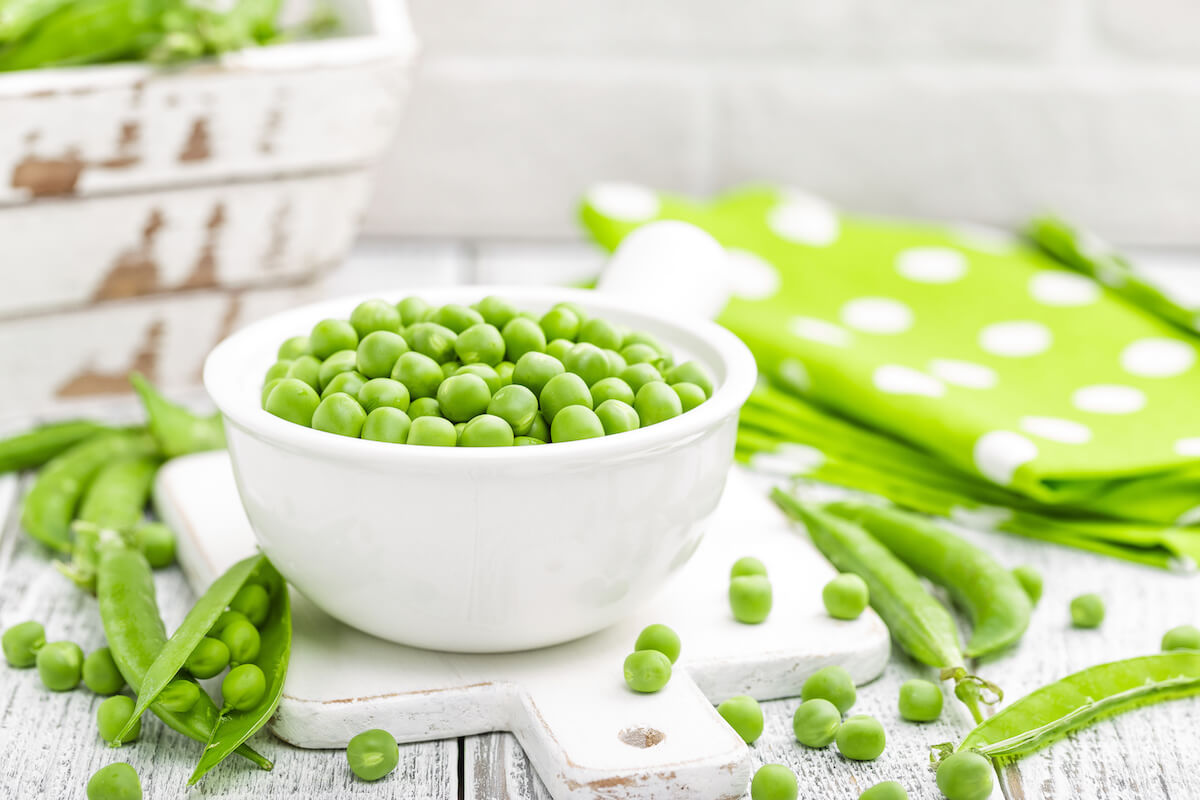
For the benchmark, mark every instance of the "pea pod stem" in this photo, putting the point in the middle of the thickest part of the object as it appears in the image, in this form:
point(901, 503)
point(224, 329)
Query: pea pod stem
point(176, 429)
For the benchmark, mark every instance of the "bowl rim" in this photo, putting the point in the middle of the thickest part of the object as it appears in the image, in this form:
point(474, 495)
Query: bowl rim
point(245, 411)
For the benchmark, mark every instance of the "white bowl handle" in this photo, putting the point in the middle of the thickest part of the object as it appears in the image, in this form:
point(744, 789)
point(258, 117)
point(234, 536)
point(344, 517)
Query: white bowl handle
point(673, 266)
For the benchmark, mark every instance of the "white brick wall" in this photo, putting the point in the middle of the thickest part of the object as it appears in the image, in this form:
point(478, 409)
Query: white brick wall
point(952, 108)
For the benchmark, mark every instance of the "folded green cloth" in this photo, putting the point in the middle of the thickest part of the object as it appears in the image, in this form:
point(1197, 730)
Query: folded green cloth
point(994, 357)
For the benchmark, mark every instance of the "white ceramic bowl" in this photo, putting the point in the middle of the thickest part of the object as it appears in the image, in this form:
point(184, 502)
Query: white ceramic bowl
point(480, 549)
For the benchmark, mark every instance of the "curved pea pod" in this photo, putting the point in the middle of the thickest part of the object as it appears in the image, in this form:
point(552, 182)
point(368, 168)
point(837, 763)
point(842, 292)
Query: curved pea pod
point(235, 727)
point(50, 506)
point(37, 446)
point(135, 633)
point(176, 429)
point(1048, 714)
point(999, 608)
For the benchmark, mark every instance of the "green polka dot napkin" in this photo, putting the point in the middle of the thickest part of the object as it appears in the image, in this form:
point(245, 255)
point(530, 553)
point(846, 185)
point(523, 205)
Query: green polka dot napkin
point(964, 365)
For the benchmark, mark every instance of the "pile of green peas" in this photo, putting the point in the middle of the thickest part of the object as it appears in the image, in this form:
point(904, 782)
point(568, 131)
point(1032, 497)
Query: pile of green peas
point(60, 665)
point(486, 375)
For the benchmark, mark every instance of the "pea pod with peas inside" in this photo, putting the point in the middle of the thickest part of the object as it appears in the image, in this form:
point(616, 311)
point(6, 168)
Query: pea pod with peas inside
point(999, 608)
point(176, 429)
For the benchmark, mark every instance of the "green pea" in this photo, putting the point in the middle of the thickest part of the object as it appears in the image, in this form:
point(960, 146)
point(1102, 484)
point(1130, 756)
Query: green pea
point(419, 373)
point(574, 423)
point(456, 317)
point(888, 790)
point(611, 389)
point(341, 414)
point(480, 344)
point(521, 336)
point(693, 373)
point(307, 369)
point(462, 397)
point(861, 738)
point(111, 717)
point(647, 670)
point(527, 440)
point(750, 598)
point(1030, 580)
point(588, 362)
point(1185, 637)
point(432, 431)
point(920, 701)
point(433, 340)
point(227, 617)
point(293, 348)
point(516, 405)
point(690, 395)
point(279, 369)
point(488, 373)
point(350, 383)
point(449, 368)
point(383, 393)
point(640, 354)
point(845, 596)
point(243, 687)
point(774, 782)
point(534, 370)
point(505, 370)
point(378, 353)
point(1087, 611)
point(567, 389)
point(424, 407)
point(833, 684)
point(540, 429)
point(371, 316)
point(412, 310)
point(496, 311)
point(293, 400)
point(387, 424)
point(600, 333)
point(253, 601)
point(559, 348)
point(560, 323)
point(339, 362)
point(267, 389)
point(156, 540)
point(487, 430)
point(661, 638)
point(744, 715)
point(816, 722)
point(641, 337)
point(616, 364)
point(60, 665)
point(747, 565)
point(100, 673)
point(656, 402)
point(330, 336)
point(574, 308)
point(372, 754)
point(965, 776)
point(114, 782)
point(617, 416)
point(638, 375)
point(208, 658)
point(179, 695)
point(243, 641)
point(21, 643)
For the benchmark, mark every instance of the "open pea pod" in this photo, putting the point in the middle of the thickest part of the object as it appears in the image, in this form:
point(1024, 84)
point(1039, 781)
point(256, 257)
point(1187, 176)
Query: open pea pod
point(235, 727)
point(1048, 714)
point(195, 626)
point(176, 429)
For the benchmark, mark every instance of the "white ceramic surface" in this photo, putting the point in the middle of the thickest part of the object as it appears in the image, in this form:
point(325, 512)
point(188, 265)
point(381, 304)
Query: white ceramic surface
point(480, 550)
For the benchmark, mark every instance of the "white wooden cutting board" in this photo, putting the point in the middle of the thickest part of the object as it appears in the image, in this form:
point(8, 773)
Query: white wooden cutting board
point(585, 732)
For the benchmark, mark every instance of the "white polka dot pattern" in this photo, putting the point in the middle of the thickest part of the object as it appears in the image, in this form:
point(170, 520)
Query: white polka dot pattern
point(1063, 289)
point(898, 379)
point(752, 277)
point(1158, 358)
point(803, 219)
point(1109, 399)
point(966, 374)
point(931, 264)
point(624, 202)
point(877, 315)
point(1064, 431)
point(999, 454)
point(819, 330)
point(1016, 339)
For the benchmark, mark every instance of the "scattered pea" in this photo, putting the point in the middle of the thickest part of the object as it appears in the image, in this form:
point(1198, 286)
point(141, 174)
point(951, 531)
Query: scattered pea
point(965, 776)
point(373, 754)
point(744, 715)
point(661, 638)
point(208, 659)
point(774, 782)
point(115, 782)
point(179, 695)
point(888, 790)
point(243, 687)
point(920, 701)
point(1185, 637)
point(750, 598)
point(833, 684)
point(861, 738)
point(845, 596)
point(1087, 611)
point(647, 670)
point(111, 717)
point(747, 565)
point(100, 673)
point(21, 643)
point(60, 665)
point(816, 722)
point(1030, 580)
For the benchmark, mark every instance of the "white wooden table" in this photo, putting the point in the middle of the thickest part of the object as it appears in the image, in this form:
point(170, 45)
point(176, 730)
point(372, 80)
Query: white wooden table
point(49, 746)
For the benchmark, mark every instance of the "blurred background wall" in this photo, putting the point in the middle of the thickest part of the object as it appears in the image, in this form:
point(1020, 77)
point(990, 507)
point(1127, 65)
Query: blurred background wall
point(946, 108)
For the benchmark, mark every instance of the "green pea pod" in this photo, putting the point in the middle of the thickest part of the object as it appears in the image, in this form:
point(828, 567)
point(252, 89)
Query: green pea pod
point(998, 606)
point(17, 17)
point(84, 32)
point(118, 494)
point(49, 508)
point(1048, 714)
point(235, 727)
point(135, 633)
point(177, 430)
point(195, 626)
point(36, 447)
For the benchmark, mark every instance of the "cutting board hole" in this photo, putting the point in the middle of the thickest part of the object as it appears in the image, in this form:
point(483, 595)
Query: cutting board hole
point(641, 737)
